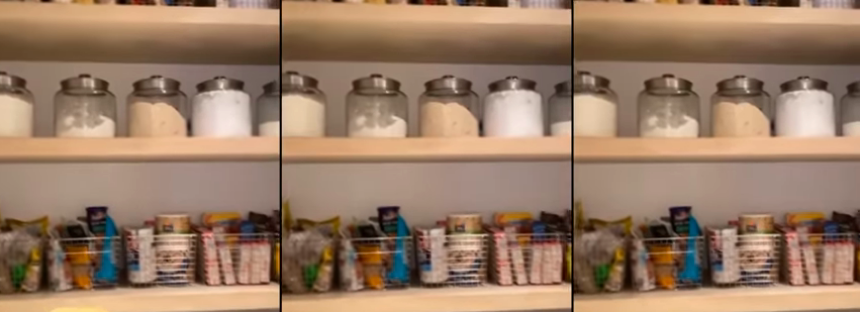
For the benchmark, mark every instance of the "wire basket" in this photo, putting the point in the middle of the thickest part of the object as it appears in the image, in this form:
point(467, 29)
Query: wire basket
point(668, 263)
point(451, 260)
point(818, 259)
point(375, 263)
point(744, 260)
point(235, 259)
point(527, 259)
point(165, 259)
point(88, 263)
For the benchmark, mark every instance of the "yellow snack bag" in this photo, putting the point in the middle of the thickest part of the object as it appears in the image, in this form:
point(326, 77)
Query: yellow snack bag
point(330, 227)
point(626, 224)
point(37, 227)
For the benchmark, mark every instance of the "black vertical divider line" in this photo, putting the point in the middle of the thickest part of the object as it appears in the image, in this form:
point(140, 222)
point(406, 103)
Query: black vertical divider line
point(572, 162)
point(280, 157)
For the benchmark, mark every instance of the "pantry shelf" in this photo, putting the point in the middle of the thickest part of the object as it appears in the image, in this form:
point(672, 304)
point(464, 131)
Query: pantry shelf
point(424, 150)
point(135, 150)
point(137, 34)
point(169, 299)
point(425, 34)
point(715, 34)
point(491, 298)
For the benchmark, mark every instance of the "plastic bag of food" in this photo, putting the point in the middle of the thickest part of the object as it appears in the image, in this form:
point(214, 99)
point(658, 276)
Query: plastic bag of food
point(598, 261)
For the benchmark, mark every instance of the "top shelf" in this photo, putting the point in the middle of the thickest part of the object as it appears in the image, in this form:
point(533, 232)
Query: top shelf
point(138, 34)
point(715, 34)
point(425, 34)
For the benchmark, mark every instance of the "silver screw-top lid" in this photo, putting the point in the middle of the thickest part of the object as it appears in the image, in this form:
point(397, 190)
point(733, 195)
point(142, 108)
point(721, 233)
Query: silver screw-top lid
point(221, 83)
point(293, 79)
point(586, 79)
point(669, 81)
point(12, 81)
point(741, 82)
point(376, 81)
point(84, 81)
point(449, 82)
point(854, 87)
point(804, 83)
point(567, 87)
point(513, 83)
point(157, 83)
point(272, 87)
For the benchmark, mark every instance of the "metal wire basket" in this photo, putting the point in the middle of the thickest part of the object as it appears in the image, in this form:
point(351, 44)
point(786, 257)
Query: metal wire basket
point(744, 260)
point(166, 259)
point(676, 263)
point(91, 263)
point(377, 263)
point(527, 259)
point(235, 259)
point(818, 259)
point(452, 260)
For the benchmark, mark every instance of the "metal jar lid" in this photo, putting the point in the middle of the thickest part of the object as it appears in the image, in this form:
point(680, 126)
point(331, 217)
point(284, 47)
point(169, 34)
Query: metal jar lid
point(84, 81)
point(585, 79)
point(376, 81)
point(293, 79)
point(221, 83)
point(8, 80)
point(741, 82)
point(511, 83)
point(669, 81)
point(566, 87)
point(804, 83)
point(449, 82)
point(272, 87)
point(854, 87)
point(157, 83)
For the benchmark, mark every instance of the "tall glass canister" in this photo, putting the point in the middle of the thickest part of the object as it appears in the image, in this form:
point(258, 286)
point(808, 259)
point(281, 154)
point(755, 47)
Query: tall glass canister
point(376, 108)
point(741, 108)
point(303, 106)
point(449, 108)
point(805, 108)
point(84, 108)
point(16, 107)
point(595, 107)
point(157, 108)
point(668, 108)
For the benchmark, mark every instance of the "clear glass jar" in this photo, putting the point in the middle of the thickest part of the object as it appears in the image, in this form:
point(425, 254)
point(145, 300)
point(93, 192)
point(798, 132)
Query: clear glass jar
point(303, 106)
point(221, 109)
point(741, 108)
point(376, 108)
point(595, 108)
point(84, 108)
point(16, 107)
point(805, 109)
point(449, 108)
point(850, 111)
point(513, 109)
point(269, 111)
point(668, 108)
point(157, 108)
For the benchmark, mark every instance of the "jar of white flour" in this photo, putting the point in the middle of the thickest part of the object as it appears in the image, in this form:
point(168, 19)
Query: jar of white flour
point(221, 108)
point(805, 109)
point(595, 107)
point(851, 111)
point(303, 106)
point(376, 108)
point(668, 108)
point(513, 109)
point(84, 108)
point(16, 107)
point(157, 108)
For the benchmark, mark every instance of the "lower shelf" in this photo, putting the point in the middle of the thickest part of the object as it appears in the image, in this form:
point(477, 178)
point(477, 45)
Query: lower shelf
point(179, 299)
point(492, 298)
point(771, 299)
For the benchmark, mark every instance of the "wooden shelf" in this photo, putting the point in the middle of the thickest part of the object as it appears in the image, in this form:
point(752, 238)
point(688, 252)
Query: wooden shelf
point(715, 34)
point(770, 299)
point(138, 34)
point(134, 150)
point(425, 34)
point(481, 299)
point(715, 149)
point(165, 299)
point(424, 150)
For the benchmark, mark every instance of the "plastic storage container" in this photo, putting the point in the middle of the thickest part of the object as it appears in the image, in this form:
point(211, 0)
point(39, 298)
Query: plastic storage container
point(84, 108)
point(376, 108)
point(595, 107)
point(449, 108)
point(668, 108)
point(513, 109)
point(805, 109)
point(157, 108)
point(16, 107)
point(741, 108)
point(269, 110)
point(302, 106)
point(221, 108)
point(850, 113)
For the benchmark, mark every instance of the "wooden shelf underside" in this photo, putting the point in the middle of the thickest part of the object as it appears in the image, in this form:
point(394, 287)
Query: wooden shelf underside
point(138, 150)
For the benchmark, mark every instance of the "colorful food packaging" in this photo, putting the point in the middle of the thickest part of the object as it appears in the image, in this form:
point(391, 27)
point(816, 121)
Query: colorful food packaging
point(141, 255)
point(725, 269)
point(432, 255)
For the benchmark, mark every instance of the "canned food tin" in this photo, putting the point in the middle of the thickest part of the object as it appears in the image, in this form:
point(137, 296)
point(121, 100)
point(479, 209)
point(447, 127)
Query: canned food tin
point(464, 224)
point(173, 224)
point(756, 224)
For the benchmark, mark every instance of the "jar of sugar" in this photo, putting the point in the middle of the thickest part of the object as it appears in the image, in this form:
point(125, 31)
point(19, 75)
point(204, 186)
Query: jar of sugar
point(850, 111)
point(157, 108)
point(302, 106)
point(16, 107)
point(805, 109)
point(741, 108)
point(449, 108)
point(376, 108)
point(222, 109)
point(668, 108)
point(513, 109)
point(595, 107)
point(269, 110)
point(84, 108)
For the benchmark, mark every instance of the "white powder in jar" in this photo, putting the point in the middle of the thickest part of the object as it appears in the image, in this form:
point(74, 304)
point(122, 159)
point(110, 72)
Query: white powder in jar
point(739, 120)
point(805, 113)
point(561, 128)
point(447, 120)
point(851, 129)
point(594, 116)
point(156, 120)
point(302, 116)
point(394, 127)
point(86, 126)
point(514, 113)
point(16, 117)
point(221, 113)
point(270, 129)
point(673, 126)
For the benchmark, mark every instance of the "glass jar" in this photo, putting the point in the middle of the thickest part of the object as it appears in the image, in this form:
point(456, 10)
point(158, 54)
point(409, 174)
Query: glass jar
point(16, 107)
point(741, 108)
point(805, 109)
point(221, 109)
point(513, 109)
point(595, 108)
point(850, 112)
point(84, 108)
point(668, 108)
point(376, 108)
point(269, 111)
point(303, 106)
point(157, 108)
point(449, 108)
